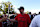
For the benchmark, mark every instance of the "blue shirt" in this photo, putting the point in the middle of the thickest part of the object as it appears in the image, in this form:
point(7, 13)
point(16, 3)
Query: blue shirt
point(35, 22)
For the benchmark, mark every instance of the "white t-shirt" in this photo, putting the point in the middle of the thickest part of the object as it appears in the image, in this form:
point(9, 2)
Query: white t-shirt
point(35, 22)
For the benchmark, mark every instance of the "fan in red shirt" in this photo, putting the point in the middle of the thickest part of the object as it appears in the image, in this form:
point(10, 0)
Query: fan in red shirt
point(23, 19)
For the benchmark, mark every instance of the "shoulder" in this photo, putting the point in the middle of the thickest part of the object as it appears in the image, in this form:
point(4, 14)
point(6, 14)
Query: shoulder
point(18, 14)
point(37, 17)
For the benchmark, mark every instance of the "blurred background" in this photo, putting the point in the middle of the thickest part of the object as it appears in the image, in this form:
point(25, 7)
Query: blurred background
point(10, 8)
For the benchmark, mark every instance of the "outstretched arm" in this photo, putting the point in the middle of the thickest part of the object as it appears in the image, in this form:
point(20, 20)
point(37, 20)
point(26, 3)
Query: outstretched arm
point(3, 19)
point(12, 20)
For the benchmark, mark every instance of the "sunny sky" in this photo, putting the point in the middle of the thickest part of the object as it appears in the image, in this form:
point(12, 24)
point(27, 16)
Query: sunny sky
point(29, 5)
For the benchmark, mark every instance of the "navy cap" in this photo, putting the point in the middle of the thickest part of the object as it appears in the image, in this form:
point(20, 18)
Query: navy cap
point(21, 8)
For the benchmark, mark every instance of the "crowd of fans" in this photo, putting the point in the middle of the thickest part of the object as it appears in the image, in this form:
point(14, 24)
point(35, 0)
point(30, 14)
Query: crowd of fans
point(15, 23)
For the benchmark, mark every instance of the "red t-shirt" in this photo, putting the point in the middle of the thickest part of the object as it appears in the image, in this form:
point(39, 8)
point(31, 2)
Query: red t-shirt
point(0, 23)
point(23, 20)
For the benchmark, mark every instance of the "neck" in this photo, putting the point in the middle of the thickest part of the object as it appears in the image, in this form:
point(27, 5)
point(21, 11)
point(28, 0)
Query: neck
point(22, 13)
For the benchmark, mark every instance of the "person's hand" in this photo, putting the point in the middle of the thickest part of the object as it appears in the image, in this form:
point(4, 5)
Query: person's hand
point(8, 19)
point(4, 18)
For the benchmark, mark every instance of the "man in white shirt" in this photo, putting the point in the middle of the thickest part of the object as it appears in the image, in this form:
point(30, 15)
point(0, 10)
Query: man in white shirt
point(35, 22)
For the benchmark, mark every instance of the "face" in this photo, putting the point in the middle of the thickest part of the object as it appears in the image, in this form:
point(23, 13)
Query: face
point(21, 10)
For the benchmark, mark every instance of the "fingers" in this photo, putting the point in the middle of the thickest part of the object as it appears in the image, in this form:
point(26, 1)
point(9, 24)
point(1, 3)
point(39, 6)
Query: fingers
point(8, 18)
point(4, 18)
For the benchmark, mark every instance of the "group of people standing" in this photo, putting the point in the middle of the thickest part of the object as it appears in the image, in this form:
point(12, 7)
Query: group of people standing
point(23, 20)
